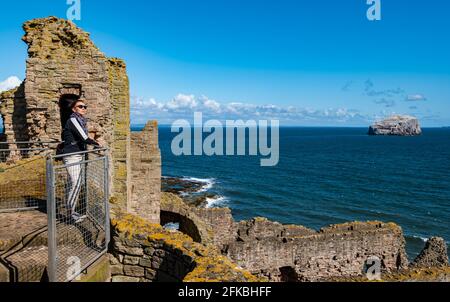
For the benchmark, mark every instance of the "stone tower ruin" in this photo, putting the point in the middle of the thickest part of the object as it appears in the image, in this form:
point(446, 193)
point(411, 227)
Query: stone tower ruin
point(63, 62)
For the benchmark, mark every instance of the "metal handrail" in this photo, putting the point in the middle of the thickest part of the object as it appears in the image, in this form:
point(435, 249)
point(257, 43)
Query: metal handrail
point(30, 142)
point(80, 153)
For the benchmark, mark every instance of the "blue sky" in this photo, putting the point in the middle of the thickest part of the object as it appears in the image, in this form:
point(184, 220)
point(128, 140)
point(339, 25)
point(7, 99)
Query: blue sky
point(308, 63)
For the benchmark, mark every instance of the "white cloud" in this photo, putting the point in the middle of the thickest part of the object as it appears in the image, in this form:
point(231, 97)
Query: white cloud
point(370, 90)
point(10, 83)
point(184, 105)
point(416, 98)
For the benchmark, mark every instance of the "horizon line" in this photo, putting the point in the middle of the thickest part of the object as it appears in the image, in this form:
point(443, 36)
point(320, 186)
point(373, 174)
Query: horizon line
point(299, 126)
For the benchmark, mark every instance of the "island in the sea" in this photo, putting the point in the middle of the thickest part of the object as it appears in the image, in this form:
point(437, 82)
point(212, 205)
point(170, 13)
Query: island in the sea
point(399, 125)
point(124, 237)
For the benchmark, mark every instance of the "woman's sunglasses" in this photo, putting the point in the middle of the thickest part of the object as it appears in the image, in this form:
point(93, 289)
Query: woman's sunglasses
point(82, 106)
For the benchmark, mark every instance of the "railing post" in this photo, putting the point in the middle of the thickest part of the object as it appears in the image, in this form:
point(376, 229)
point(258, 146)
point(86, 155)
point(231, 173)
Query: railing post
point(84, 169)
point(51, 215)
point(106, 196)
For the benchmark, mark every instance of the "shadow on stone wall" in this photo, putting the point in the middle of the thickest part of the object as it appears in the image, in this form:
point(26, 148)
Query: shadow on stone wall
point(145, 252)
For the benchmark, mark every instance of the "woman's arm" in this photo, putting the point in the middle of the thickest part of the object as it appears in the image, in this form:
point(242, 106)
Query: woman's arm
point(76, 128)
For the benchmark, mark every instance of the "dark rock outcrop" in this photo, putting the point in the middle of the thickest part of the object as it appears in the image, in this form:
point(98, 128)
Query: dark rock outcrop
point(396, 125)
point(433, 255)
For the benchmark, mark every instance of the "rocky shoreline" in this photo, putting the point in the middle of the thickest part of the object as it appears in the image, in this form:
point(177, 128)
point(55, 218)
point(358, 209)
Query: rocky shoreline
point(193, 191)
point(280, 252)
point(294, 253)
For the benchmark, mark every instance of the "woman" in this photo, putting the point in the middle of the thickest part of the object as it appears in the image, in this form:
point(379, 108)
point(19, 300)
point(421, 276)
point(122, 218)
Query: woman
point(76, 139)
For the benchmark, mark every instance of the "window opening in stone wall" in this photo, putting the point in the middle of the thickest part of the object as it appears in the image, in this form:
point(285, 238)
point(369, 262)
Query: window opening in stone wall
point(64, 107)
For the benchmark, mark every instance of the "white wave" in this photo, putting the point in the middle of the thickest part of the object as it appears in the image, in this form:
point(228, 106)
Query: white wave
point(216, 201)
point(424, 239)
point(208, 183)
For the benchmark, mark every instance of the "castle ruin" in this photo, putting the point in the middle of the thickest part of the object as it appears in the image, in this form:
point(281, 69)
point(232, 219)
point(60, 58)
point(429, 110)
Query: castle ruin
point(64, 63)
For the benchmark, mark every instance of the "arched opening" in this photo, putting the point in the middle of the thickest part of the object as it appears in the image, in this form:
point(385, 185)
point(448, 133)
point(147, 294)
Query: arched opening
point(185, 225)
point(64, 107)
point(288, 274)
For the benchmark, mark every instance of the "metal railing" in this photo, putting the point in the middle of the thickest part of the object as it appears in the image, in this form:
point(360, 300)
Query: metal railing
point(78, 213)
point(22, 175)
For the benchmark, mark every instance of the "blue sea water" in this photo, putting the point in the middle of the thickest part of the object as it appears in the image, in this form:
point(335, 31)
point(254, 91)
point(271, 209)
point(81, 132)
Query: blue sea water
point(333, 175)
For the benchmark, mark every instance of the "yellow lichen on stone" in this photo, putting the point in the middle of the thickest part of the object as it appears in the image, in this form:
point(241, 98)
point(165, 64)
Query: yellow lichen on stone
point(435, 274)
point(173, 203)
point(210, 266)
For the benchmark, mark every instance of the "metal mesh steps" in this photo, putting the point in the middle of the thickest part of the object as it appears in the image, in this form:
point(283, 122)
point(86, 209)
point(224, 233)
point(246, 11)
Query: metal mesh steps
point(28, 264)
point(24, 252)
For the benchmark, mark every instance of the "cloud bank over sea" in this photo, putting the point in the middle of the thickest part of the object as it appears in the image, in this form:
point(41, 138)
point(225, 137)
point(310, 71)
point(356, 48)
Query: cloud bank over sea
point(183, 106)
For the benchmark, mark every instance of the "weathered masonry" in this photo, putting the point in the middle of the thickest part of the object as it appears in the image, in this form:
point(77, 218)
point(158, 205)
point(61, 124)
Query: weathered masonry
point(64, 63)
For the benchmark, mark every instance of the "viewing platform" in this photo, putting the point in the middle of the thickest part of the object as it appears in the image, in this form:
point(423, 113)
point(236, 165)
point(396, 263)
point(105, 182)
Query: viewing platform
point(38, 240)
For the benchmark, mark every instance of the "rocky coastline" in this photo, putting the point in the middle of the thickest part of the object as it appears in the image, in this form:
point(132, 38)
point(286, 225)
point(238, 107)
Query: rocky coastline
point(280, 252)
point(193, 191)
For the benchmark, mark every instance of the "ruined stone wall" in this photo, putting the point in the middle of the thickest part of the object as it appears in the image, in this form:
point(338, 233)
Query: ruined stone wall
point(270, 249)
point(143, 252)
point(62, 60)
point(296, 253)
point(218, 219)
point(146, 173)
point(120, 147)
point(13, 113)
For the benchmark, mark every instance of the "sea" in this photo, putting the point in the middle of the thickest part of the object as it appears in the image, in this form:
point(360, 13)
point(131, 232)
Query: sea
point(332, 175)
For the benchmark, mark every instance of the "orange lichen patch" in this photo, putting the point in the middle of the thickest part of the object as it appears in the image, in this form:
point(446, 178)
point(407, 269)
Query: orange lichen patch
point(215, 268)
point(210, 266)
point(441, 274)
point(131, 225)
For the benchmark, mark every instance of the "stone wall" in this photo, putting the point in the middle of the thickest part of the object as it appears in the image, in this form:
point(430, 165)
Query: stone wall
point(13, 113)
point(146, 173)
point(280, 252)
point(62, 61)
point(295, 253)
point(218, 219)
point(145, 252)
point(174, 210)
point(120, 98)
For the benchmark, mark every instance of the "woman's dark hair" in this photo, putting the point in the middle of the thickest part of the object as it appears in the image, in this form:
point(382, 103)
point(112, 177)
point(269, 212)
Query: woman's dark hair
point(75, 102)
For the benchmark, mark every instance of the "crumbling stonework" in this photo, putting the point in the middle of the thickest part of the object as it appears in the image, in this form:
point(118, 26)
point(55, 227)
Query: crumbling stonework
point(221, 222)
point(145, 252)
point(120, 94)
point(13, 113)
point(62, 62)
point(434, 254)
point(146, 173)
point(173, 209)
point(296, 253)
